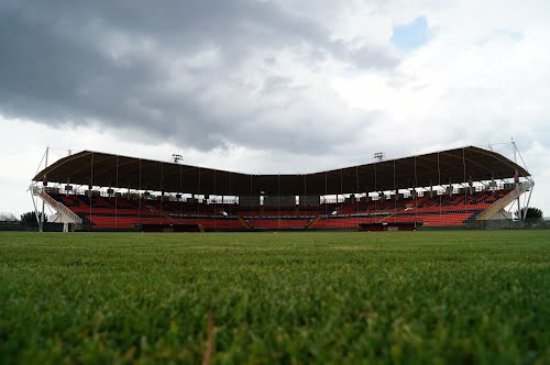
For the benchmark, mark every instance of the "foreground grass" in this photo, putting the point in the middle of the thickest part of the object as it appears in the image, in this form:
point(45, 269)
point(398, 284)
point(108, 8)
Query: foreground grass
point(421, 297)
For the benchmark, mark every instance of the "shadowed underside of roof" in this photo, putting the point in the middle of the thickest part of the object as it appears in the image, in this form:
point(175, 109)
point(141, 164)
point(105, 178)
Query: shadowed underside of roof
point(439, 168)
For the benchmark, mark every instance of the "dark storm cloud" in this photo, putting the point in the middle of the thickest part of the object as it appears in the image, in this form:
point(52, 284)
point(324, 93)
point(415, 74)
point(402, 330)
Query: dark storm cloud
point(175, 70)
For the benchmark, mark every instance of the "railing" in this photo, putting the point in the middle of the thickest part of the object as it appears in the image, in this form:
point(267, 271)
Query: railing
point(503, 202)
point(65, 212)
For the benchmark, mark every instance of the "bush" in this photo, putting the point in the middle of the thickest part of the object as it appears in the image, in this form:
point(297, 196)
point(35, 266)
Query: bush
point(29, 218)
point(532, 213)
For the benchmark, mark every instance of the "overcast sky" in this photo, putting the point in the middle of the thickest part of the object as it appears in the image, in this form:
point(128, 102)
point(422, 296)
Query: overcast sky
point(270, 86)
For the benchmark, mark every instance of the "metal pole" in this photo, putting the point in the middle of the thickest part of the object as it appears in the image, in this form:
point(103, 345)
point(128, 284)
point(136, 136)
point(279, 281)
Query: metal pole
point(162, 194)
point(396, 195)
point(140, 196)
point(464, 166)
point(439, 182)
point(305, 195)
point(36, 211)
point(375, 189)
point(35, 207)
point(41, 226)
point(199, 192)
point(91, 187)
point(341, 184)
point(180, 200)
point(415, 193)
point(116, 198)
point(278, 195)
point(356, 188)
point(520, 215)
point(215, 201)
point(326, 193)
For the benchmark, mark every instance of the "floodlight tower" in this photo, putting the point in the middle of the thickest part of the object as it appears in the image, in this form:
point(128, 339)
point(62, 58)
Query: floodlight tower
point(379, 156)
point(177, 157)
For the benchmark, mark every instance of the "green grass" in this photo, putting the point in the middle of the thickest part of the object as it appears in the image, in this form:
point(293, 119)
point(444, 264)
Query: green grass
point(419, 297)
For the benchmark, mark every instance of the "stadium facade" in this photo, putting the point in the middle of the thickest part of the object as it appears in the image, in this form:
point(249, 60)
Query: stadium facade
point(99, 191)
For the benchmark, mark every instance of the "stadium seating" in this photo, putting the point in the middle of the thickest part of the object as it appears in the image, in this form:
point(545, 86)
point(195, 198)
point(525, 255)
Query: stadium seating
point(117, 213)
point(271, 224)
point(437, 211)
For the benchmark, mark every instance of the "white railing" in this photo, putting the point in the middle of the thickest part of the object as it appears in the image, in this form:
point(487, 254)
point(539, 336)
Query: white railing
point(504, 202)
point(68, 215)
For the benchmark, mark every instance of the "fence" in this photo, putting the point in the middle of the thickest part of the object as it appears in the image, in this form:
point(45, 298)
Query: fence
point(508, 224)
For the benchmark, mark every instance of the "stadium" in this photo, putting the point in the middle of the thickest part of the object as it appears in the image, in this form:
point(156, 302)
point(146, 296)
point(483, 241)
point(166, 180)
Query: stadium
point(94, 191)
point(274, 182)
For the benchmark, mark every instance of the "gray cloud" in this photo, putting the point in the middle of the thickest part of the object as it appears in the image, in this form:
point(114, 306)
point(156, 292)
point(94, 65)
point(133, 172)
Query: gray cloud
point(196, 73)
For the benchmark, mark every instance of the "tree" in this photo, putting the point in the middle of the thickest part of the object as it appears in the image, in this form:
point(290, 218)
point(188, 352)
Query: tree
point(30, 218)
point(8, 217)
point(532, 213)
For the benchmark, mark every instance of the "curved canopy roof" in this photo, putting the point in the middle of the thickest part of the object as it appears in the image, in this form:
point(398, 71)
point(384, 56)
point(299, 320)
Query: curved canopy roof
point(439, 168)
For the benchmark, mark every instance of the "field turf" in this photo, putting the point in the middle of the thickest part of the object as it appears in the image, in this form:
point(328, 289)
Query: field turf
point(339, 298)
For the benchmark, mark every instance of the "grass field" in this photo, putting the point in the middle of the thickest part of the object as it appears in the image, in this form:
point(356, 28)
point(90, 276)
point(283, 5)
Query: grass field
point(419, 297)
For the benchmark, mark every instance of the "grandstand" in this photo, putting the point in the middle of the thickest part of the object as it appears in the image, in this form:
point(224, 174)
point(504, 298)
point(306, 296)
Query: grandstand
point(99, 191)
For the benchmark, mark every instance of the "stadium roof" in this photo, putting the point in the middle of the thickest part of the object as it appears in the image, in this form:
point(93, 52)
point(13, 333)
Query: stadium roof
point(439, 168)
